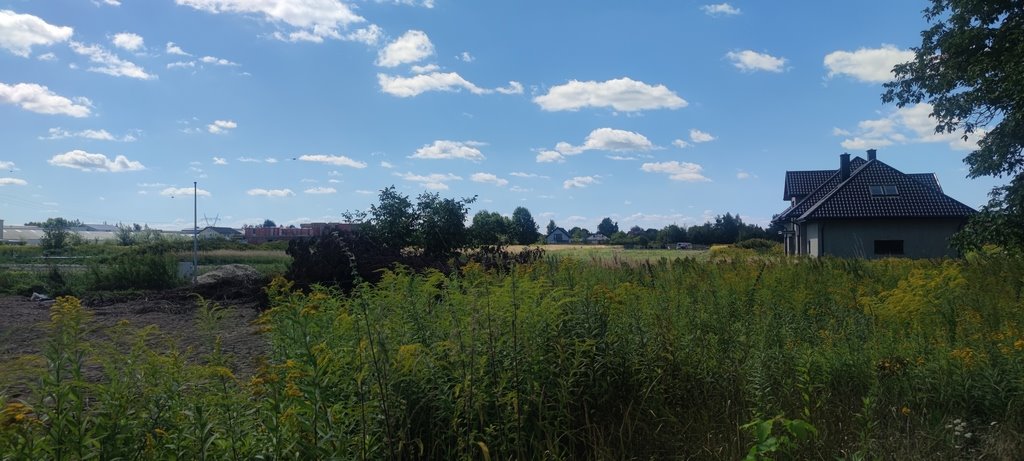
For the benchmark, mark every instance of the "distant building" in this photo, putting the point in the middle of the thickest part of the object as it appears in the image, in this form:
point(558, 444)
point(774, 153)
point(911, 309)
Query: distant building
point(598, 238)
point(869, 209)
point(220, 232)
point(257, 234)
point(557, 236)
point(95, 228)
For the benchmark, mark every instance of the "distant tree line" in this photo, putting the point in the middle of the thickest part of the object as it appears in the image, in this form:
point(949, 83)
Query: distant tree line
point(725, 229)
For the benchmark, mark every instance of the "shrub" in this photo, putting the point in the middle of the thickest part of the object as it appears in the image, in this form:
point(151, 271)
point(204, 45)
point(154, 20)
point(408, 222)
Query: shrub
point(761, 246)
point(134, 270)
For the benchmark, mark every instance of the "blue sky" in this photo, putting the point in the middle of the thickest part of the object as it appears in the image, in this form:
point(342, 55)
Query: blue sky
point(651, 113)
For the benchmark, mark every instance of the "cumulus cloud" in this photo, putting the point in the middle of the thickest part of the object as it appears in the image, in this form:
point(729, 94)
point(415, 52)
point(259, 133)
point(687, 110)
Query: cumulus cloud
point(385, 164)
point(405, 87)
point(698, 136)
point(680, 143)
point(217, 61)
point(750, 61)
point(47, 57)
point(99, 135)
point(412, 46)
point(270, 192)
point(744, 175)
point(369, 35)
point(309, 18)
point(339, 160)
point(7, 165)
point(39, 99)
point(13, 182)
point(465, 57)
point(520, 174)
point(128, 41)
point(221, 126)
point(426, 68)
point(433, 181)
point(622, 94)
point(909, 124)
point(489, 178)
point(172, 48)
point(181, 65)
point(85, 161)
point(720, 9)
point(20, 32)
point(603, 139)
point(184, 192)
point(220, 161)
point(579, 182)
point(677, 171)
point(108, 63)
point(320, 190)
point(872, 65)
point(447, 150)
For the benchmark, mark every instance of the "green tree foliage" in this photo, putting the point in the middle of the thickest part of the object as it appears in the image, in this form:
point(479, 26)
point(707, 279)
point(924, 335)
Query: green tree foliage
point(579, 234)
point(392, 221)
point(969, 67)
point(441, 228)
point(524, 228)
point(125, 235)
point(672, 234)
point(57, 234)
point(608, 227)
point(269, 223)
point(490, 228)
point(551, 226)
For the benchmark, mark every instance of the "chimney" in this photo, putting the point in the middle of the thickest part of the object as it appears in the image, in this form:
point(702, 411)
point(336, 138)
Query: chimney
point(844, 166)
point(872, 154)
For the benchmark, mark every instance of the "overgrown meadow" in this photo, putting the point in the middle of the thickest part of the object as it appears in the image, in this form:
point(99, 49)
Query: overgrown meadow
point(733, 357)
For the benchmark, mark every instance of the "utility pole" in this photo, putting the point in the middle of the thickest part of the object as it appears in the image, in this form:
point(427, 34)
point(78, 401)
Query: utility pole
point(195, 230)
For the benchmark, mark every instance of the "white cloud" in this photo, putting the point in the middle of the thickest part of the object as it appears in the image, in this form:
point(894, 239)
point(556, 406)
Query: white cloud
point(334, 181)
point(249, 160)
point(128, 41)
point(112, 2)
point(465, 57)
point(405, 87)
point(750, 61)
point(270, 192)
point(47, 57)
point(677, 171)
point(184, 192)
point(108, 63)
point(13, 182)
point(20, 32)
point(217, 61)
point(836, 131)
point(520, 174)
point(321, 190)
point(424, 68)
point(85, 161)
point(579, 182)
point(623, 94)
point(446, 150)
point(220, 161)
point(434, 181)
point(339, 160)
point(221, 126)
point(39, 99)
point(680, 143)
point(744, 175)
point(489, 178)
point(549, 156)
point(99, 135)
point(369, 35)
point(384, 164)
point(7, 165)
point(720, 9)
point(909, 124)
point(605, 139)
point(873, 65)
point(698, 136)
point(412, 46)
point(364, 192)
point(172, 48)
point(313, 18)
point(181, 64)
point(270, 160)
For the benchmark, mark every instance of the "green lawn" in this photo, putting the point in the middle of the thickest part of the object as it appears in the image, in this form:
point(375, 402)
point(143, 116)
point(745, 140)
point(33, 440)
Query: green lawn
point(608, 254)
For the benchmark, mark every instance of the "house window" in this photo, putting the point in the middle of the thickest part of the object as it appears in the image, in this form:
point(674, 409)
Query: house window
point(888, 247)
point(883, 190)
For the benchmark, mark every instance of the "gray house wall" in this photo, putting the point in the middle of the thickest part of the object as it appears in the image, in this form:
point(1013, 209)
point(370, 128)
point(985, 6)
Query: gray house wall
point(922, 238)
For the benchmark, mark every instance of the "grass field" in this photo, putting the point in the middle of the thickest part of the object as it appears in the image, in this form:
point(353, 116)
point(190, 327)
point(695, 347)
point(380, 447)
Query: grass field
point(614, 254)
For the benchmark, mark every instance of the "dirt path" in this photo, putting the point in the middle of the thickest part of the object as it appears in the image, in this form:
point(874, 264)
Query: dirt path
point(23, 326)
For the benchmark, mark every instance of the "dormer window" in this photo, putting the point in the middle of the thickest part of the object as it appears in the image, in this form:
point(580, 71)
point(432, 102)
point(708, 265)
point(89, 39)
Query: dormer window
point(885, 190)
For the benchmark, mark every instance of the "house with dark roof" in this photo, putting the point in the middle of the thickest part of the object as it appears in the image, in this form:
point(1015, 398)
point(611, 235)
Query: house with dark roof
point(558, 235)
point(220, 232)
point(869, 209)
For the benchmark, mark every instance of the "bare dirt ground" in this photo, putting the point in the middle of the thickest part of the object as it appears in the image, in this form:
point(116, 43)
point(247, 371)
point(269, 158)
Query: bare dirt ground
point(24, 326)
